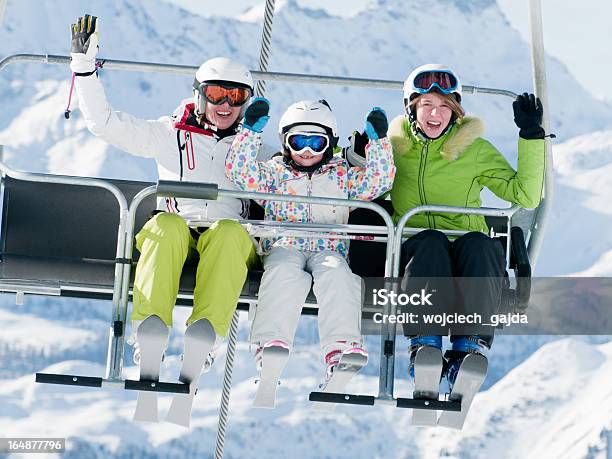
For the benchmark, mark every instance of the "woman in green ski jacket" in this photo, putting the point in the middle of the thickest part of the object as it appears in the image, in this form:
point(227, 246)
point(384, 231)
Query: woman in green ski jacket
point(442, 159)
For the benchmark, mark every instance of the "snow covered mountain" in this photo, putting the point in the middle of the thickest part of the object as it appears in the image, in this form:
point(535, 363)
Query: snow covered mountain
point(533, 410)
point(578, 240)
point(477, 41)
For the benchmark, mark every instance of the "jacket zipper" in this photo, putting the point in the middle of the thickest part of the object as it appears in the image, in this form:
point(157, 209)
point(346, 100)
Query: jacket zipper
point(309, 193)
point(421, 184)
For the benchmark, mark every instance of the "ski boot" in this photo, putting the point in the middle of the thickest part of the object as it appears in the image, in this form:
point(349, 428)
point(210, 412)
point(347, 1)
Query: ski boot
point(426, 358)
point(465, 371)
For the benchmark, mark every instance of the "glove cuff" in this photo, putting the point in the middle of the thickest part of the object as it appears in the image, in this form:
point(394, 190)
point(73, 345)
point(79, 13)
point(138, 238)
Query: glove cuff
point(81, 64)
point(258, 126)
point(532, 133)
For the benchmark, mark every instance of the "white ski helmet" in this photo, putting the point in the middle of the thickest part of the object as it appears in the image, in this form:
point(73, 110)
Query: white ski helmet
point(310, 113)
point(313, 112)
point(220, 70)
point(411, 89)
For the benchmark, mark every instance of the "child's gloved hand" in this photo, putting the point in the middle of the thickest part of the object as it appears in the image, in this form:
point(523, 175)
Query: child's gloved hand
point(256, 115)
point(376, 124)
point(355, 152)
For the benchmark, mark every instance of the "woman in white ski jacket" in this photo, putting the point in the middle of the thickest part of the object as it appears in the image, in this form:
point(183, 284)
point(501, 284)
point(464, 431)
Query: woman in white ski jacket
point(191, 145)
point(308, 167)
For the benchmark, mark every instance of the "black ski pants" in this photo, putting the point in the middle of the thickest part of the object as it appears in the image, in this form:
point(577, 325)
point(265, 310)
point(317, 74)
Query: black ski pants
point(430, 254)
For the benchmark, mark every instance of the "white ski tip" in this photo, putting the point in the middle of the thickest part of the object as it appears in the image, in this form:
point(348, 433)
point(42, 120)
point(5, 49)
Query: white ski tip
point(180, 410)
point(146, 407)
point(472, 373)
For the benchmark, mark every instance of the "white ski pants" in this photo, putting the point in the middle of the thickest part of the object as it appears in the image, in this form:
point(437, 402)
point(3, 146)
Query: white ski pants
point(288, 276)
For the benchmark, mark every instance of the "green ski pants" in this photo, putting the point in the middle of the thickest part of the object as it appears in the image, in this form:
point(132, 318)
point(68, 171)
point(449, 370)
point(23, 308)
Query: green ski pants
point(226, 253)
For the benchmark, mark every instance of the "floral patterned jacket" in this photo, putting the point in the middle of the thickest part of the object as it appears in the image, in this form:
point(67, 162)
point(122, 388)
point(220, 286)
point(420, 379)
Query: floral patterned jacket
point(333, 180)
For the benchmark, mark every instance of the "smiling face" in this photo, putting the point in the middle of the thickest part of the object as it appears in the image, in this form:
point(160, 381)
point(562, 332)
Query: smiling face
point(433, 114)
point(223, 115)
point(306, 158)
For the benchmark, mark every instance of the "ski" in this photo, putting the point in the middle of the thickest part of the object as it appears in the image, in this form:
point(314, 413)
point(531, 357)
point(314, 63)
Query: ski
point(199, 341)
point(470, 377)
point(350, 364)
point(273, 361)
point(427, 374)
point(152, 338)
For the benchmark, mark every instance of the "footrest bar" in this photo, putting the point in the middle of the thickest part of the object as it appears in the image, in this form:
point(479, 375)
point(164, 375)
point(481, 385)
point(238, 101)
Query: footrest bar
point(425, 404)
point(156, 386)
point(331, 397)
point(68, 380)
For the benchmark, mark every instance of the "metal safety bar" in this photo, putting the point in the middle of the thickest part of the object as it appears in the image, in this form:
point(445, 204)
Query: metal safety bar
point(154, 67)
point(273, 197)
point(387, 361)
point(115, 342)
point(168, 188)
point(393, 234)
point(484, 211)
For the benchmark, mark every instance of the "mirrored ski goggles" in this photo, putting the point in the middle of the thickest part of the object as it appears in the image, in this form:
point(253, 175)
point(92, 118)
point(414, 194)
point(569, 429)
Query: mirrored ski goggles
point(217, 94)
point(444, 80)
point(299, 141)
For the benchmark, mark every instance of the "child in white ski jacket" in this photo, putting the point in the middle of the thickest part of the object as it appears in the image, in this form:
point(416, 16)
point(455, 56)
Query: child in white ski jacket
point(307, 166)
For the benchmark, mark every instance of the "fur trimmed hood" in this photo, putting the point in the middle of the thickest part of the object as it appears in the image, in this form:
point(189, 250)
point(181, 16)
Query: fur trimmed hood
point(454, 142)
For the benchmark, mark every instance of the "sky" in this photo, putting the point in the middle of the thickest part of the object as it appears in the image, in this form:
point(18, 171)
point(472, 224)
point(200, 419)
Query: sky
point(576, 32)
point(583, 44)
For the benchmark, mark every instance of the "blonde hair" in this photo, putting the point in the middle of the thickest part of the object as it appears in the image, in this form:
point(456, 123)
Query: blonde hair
point(449, 99)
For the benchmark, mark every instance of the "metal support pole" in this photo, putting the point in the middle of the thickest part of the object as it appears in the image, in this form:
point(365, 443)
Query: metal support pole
point(538, 59)
point(266, 44)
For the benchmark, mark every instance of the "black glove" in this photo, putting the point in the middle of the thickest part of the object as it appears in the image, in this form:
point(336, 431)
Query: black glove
point(256, 115)
point(84, 44)
point(376, 124)
point(528, 114)
point(355, 152)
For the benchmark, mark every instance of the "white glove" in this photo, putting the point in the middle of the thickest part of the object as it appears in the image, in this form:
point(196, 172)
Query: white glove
point(84, 46)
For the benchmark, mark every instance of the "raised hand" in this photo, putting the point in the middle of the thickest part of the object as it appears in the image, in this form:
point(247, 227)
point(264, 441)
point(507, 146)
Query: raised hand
point(84, 45)
point(256, 115)
point(376, 124)
point(528, 114)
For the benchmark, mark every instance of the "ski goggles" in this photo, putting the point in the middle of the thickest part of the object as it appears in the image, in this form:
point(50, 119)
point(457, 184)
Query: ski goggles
point(216, 94)
point(444, 80)
point(298, 141)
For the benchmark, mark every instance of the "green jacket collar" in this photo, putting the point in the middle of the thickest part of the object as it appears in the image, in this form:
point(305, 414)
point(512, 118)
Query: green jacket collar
point(450, 145)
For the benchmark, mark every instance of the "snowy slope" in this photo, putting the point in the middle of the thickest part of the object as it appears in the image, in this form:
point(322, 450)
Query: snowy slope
point(579, 236)
point(537, 411)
